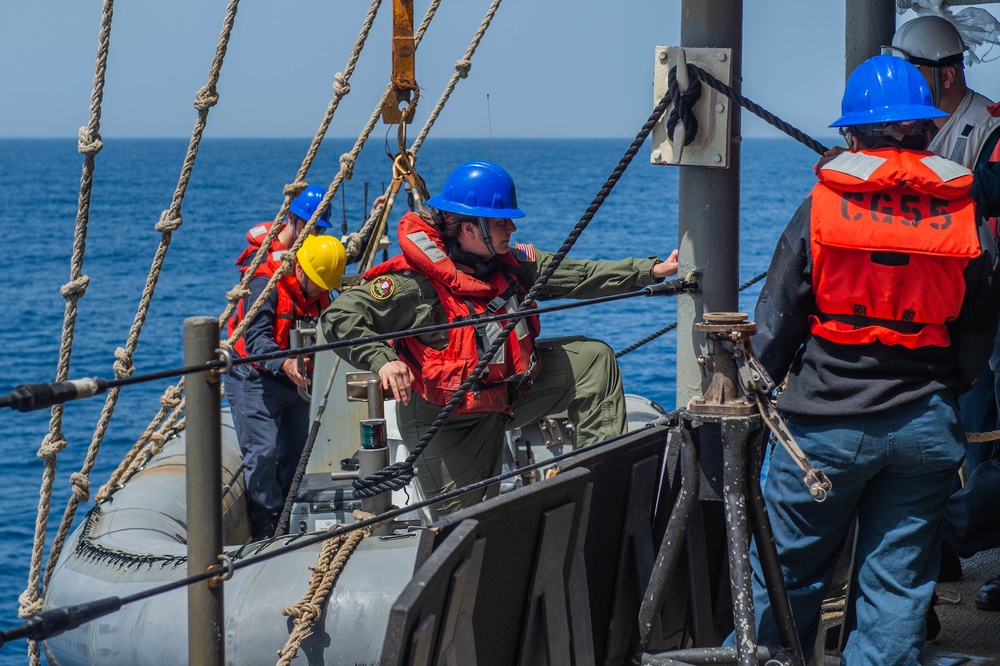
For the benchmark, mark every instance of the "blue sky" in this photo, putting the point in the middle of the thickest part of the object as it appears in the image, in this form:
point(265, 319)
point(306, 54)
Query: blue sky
point(561, 68)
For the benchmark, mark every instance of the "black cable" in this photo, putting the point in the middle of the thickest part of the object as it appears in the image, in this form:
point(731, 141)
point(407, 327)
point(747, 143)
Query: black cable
point(27, 397)
point(670, 327)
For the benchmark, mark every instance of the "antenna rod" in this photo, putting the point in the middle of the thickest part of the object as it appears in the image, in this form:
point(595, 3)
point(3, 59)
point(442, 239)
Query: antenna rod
point(489, 120)
point(343, 208)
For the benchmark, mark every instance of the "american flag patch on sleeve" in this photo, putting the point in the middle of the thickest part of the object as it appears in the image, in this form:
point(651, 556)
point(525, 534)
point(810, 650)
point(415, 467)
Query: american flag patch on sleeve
point(525, 251)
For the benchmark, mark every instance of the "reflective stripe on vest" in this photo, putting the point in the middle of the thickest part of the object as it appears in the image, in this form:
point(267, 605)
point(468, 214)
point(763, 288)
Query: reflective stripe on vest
point(891, 233)
point(255, 238)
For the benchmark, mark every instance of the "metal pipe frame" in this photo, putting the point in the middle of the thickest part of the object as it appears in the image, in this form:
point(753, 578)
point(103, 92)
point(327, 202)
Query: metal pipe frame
point(673, 538)
point(767, 552)
point(742, 487)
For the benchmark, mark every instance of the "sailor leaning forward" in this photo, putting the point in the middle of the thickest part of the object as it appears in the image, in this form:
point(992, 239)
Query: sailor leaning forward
point(270, 417)
point(458, 265)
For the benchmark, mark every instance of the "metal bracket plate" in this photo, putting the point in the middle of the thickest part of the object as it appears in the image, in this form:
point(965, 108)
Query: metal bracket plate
point(710, 147)
point(357, 385)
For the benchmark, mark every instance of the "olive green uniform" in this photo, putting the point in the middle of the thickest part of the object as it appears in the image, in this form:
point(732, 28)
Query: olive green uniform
point(577, 374)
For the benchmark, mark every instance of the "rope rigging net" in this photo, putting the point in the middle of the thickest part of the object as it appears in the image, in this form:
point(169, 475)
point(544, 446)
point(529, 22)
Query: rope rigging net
point(169, 418)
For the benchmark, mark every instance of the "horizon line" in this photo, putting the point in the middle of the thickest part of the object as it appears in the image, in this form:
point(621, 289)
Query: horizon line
point(776, 135)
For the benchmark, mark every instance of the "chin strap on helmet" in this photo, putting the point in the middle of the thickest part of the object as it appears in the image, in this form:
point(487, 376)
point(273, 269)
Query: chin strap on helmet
point(487, 238)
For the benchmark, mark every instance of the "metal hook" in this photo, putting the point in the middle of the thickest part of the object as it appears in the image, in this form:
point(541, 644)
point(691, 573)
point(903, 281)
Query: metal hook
point(226, 356)
point(226, 564)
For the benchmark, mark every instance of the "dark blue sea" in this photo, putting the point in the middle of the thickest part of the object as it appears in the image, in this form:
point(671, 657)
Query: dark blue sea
point(237, 183)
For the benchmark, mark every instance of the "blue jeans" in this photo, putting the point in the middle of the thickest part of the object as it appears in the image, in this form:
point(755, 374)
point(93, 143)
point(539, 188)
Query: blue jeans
point(271, 422)
point(895, 469)
point(978, 408)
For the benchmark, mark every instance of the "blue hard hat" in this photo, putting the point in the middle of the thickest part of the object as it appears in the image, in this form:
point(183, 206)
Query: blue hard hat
point(479, 189)
point(305, 205)
point(886, 89)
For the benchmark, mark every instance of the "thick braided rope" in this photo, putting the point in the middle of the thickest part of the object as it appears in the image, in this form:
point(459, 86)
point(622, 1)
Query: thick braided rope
point(170, 221)
point(169, 402)
point(346, 171)
point(398, 475)
point(461, 71)
point(341, 88)
point(90, 144)
point(758, 110)
point(329, 564)
point(990, 436)
point(681, 111)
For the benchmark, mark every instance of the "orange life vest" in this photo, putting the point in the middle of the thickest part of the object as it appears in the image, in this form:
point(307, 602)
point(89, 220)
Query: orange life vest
point(891, 233)
point(292, 306)
point(438, 373)
point(255, 238)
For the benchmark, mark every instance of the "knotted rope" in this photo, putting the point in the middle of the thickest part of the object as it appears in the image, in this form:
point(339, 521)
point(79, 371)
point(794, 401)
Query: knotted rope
point(462, 68)
point(341, 87)
point(89, 144)
point(682, 102)
point(330, 562)
point(170, 221)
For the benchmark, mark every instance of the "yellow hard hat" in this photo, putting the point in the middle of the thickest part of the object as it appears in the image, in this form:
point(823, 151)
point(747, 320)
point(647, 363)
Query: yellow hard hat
point(323, 260)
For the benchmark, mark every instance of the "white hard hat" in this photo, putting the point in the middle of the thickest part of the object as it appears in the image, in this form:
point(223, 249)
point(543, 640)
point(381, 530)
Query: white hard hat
point(929, 40)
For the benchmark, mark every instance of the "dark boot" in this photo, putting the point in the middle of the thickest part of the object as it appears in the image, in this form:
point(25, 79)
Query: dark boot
point(951, 565)
point(988, 596)
point(933, 623)
point(262, 524)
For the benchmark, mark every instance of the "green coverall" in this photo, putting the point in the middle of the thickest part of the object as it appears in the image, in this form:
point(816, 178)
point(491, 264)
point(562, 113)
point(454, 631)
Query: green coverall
point(577, 374)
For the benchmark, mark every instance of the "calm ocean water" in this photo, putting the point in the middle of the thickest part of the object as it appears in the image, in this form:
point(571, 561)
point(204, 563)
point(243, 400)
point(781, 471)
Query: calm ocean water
point(237, 183)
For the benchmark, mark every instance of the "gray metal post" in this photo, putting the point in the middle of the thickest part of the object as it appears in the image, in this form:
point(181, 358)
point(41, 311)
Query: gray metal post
point(206, 635)
point(868, 25)
point(374, 454)
point(709, 202)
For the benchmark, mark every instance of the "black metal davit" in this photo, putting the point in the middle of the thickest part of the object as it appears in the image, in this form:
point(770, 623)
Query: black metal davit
point(719, 440)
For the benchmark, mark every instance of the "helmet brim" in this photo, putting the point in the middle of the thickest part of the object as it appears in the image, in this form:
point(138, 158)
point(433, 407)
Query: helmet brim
point(441, 203)
point(894, 114)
